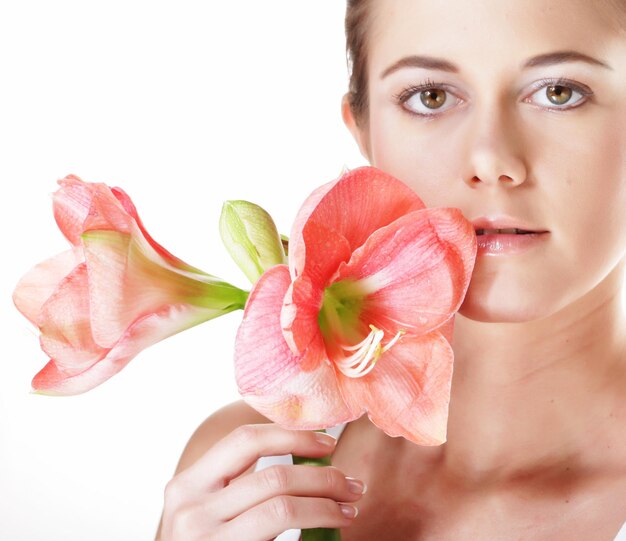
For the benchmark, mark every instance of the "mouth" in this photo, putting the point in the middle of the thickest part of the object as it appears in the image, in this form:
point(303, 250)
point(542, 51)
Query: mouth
point(507, 241)
point(509, 231)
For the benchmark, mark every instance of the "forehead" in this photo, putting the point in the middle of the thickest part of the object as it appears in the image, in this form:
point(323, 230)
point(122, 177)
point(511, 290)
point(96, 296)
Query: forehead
point(487, 33)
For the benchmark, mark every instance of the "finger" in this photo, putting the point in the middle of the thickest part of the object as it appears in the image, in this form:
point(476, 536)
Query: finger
point(249, 491)
point(274, 516)
point(241, 448)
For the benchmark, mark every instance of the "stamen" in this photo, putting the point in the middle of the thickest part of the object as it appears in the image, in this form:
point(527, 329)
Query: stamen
point(366, 353)
point(394, 340)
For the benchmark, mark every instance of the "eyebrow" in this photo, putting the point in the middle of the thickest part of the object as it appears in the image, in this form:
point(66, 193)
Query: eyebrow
point(429, 62)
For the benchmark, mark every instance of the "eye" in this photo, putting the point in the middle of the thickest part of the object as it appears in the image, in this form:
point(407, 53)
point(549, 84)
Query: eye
point(429, 99)
point(558, 92)
point(424, 97)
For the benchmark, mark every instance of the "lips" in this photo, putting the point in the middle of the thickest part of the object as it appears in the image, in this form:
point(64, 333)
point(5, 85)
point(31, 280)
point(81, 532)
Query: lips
point(500, 225)
point(510, 231)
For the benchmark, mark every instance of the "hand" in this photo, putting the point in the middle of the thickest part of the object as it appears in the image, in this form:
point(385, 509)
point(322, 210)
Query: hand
point(212, 500)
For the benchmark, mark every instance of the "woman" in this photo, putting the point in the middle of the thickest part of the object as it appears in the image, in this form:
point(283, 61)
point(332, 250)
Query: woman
point(514, 112)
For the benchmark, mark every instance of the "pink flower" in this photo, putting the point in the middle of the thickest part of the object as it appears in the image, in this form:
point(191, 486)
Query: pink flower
point(361, 319)
point(115, 293)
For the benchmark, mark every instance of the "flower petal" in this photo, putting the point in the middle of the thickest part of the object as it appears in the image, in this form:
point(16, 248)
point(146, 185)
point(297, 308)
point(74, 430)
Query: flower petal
point(354, 206)
point(128, 280)
point(415, 271)
point(296, 248)
point(66, 326)
point(408, 392)
point(34, 288)
point(296, 391)
point(79, 206)
point(298, 317)
point(447, 329)
point(304, 296)
point(130, 208)
point(148, 330)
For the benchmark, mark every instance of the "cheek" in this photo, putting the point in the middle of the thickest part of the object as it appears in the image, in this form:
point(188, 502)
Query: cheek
point(584, 208)
point(585, 186)
point(425, 155)
point(576, 187)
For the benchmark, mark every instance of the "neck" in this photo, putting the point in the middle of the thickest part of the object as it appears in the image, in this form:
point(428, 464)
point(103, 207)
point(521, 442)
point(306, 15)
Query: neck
point(529, 396)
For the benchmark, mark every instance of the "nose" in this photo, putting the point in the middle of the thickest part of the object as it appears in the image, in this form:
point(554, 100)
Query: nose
point(494, 149)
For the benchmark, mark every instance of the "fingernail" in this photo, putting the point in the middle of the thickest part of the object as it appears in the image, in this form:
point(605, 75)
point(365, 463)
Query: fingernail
point(325, 439)
point(355, 486)
point(348, 510)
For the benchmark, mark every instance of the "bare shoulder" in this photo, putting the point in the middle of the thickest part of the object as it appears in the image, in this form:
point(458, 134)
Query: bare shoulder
point(215, 427)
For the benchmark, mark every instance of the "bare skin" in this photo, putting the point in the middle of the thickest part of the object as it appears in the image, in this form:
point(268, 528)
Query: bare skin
point(215, 494)
point(553, 504)
point(536, 441)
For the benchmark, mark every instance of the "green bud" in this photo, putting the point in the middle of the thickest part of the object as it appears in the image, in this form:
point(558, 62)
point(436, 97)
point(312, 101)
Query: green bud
point(251, 238)
point(285, 240)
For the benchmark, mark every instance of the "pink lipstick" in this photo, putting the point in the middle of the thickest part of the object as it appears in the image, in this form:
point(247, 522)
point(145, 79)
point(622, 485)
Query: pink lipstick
point(506, 235)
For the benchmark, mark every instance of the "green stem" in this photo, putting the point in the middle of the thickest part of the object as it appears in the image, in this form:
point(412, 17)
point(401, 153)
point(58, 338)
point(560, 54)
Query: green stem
point(318, 534)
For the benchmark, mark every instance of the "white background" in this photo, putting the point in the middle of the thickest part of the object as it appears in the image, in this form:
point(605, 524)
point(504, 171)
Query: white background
point(184, 105)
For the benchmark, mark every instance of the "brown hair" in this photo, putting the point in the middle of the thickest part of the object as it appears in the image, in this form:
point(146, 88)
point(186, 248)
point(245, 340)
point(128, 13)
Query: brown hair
point(357, 25)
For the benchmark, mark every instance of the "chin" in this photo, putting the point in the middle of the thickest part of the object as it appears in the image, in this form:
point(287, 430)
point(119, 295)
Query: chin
point(505, 307)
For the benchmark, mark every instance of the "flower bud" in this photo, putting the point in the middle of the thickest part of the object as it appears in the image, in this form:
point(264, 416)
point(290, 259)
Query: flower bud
point(285, 240)
point(251, 238)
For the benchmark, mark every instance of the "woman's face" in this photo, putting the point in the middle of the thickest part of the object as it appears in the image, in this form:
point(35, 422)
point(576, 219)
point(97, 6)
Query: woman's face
point(491, 138)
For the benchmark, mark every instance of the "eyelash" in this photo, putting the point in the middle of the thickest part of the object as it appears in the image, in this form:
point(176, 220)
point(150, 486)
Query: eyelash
point(428, 84)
